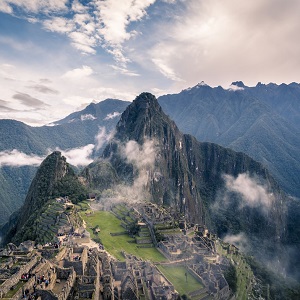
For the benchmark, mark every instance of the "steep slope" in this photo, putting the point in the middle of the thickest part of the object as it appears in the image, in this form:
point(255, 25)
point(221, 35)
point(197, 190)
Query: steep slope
point(283, 98)
point(189, 175)
point(14, 183)
point(243, 120)
point(54, 178)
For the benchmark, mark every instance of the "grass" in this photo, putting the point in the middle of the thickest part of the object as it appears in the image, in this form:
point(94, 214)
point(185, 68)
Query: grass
point(176, 275)
point(84, 205)
point(11, 293)
point(108, 223)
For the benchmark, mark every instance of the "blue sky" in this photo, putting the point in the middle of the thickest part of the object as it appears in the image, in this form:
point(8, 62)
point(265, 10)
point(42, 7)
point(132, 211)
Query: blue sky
point(57, 56)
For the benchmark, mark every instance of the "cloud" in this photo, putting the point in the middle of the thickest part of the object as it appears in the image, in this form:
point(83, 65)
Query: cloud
point(102, 137)
point(34, 6)
point(45, 80)
point(115, 16)
point(112, 115)
point(6, 8)
point(141, 156)
point(223, 40)
point(43, 89)
point(109, 92)
point(87, 117)
point(29, 100)
point(80, 156)
point(15, 158)
point(234, 88)
point(239, 240)
point(165, 69)
point(59, 24)
point(125, 71)
point(78, 73)
point(78, 7)
point(4, 106)
point(253, 194)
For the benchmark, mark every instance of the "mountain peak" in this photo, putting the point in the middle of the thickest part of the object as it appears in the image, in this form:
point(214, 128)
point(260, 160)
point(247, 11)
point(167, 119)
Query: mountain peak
point(140, 118)
point(202, 83)
point(238, 84)
point(144, 100)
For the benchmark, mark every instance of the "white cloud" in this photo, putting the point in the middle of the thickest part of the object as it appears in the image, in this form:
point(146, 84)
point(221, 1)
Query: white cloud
point(112, 115)
point(165, 69)
point(116, 16)
point(83, 42)
point(239, 240)
point(78, 7)
point(87, 117)
point(234, 88)
point(125, 71)
point(141, 156)
point(78, 73)
point(109, 92)
point(4, 7)
point(79, 156)
point(15, 158)
point(224, 41)
point(35, 6)
point(102, 137)
point(59, 24)
point(253, 193)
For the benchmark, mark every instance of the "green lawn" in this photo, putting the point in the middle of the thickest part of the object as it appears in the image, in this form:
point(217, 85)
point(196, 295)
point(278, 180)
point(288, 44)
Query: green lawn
point(176, 275)
point(108, 223)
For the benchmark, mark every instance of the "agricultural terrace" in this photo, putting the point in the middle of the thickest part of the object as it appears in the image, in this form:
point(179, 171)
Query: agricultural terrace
point(115, 244)
point(244, 274)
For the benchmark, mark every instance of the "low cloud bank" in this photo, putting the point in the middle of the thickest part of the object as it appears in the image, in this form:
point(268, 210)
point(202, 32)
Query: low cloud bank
point(15, 158)
point(80, 156)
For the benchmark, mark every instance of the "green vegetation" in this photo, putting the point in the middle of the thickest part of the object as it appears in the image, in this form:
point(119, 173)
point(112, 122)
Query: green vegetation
point(83, 205)
point(231, 278)
point(108, 223)
point(12, 292)
point(275, 285)
point(182, 280)
point(239, 275)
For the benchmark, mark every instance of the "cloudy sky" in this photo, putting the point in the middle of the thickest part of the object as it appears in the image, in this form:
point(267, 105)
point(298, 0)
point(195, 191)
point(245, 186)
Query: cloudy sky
point(57, 56)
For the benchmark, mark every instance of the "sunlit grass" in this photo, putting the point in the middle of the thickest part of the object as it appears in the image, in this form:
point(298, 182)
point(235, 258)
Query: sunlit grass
point(108, 223)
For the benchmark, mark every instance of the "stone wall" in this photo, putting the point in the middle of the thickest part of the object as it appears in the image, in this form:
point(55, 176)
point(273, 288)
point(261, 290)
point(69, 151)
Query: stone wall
point(28, 285)
point(61, 254)
point(14, 279)
point(70, 276)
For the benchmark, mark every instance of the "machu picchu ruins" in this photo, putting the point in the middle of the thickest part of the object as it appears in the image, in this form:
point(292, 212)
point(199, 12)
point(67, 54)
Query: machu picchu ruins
point(73, 264)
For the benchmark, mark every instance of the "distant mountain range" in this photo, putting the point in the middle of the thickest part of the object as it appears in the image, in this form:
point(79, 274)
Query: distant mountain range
point(262, 121)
